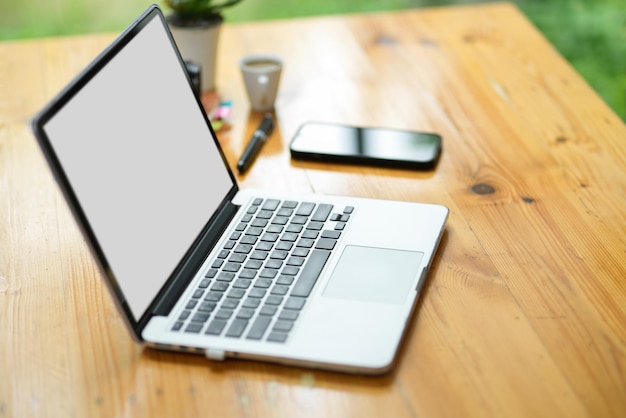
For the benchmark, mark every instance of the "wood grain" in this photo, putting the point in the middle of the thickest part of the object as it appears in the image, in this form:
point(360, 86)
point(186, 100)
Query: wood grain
point(524, 313)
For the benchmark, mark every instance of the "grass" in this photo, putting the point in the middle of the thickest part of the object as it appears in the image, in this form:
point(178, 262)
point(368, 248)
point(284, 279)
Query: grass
point(591, 34)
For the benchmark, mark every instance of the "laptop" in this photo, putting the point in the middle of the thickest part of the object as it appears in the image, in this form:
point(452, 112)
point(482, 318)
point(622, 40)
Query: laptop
point(196, 264)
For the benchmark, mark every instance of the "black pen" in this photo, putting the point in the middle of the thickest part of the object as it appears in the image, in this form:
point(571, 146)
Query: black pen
point(259, 137)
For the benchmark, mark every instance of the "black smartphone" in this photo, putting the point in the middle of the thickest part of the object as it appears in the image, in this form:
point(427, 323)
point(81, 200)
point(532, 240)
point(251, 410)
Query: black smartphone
point(371, 146)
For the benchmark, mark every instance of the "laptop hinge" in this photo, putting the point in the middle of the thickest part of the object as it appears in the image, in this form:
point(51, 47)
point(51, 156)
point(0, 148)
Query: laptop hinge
point(190, 266)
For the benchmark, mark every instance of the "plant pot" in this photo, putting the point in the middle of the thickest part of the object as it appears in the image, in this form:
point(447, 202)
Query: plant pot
point(197, 42)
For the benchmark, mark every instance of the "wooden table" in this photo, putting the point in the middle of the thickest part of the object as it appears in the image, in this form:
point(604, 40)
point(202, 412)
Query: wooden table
point(524, 313)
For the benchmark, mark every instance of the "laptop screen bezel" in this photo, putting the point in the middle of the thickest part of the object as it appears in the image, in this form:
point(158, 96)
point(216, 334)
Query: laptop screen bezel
point(39, 122)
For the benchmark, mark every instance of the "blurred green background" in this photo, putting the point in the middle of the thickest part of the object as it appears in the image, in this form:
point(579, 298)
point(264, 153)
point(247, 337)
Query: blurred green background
point(590, 34)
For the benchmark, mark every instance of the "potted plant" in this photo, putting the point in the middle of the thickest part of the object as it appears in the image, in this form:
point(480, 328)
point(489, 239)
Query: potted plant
point(195, 25)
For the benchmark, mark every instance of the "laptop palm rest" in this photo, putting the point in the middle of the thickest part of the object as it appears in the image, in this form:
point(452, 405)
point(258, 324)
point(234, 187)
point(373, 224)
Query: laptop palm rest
point(370, 274)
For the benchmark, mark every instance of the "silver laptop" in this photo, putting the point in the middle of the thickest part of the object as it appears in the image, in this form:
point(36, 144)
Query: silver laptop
point(197, 265)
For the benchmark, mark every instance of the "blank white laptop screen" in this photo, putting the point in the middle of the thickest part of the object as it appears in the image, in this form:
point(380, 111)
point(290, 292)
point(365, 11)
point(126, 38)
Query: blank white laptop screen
point(145, 216)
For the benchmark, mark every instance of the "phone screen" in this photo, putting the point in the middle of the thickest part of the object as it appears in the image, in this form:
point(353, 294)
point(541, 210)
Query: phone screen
point(378, 146)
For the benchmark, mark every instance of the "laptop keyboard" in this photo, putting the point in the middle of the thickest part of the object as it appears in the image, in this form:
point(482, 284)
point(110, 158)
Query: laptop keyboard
point(257, 285)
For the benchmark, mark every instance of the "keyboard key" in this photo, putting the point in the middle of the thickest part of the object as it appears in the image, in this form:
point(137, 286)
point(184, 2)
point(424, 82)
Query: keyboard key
point(271, 204)
point(257, 293)
point(237, 258)
point(207, 307)
point(279, 255)
point(286, 315)
point(295, 303)
point(263, 283)
point(219, 286)
point(296, 261)
point(276, 229)
point(224, 313)
point(200, 317)
point(285, 280)
point(300, 252)
point(232, 267)
point(273, 264)
point(177, 326)
point(268, 310)
point(213, 296)
point(305, 243)
point(329, 233)
point(311, 271)
point(258, 255)
point(225, 277)
point(322, 212)
point(264, 246)
point(204, 283)
point(290, 204)
point(251, 303)
point(258, 327)
point(284, 211)
point(230, 303)
point(315, 226)
point(297, 223)
point(325, 244)
point(284, 246)
point(295, 228)
point(184, 315)
point(237, 327)
point(264, 214)
point(211, 273)
point(254, 264)
point(268, 273)
point(191, 304)
point(249, 239)
point(194, 327)
point(255, 231)
point(216, 327)
point(257, 201)
point(290, 270)
point(243, 248)
point(259, 222)
point(348, 209)
point(242, 283)
point(230, 245)
point(217, 263)
point(245, 313)
point(247, 274)
point(277, 337)
point(197, 294)
point(274, 300)
point(289, 236)
point(280, 220)
point(236, 293)
point(305, 208)
point(280, 290)
point(310, 234)
point(283, 326)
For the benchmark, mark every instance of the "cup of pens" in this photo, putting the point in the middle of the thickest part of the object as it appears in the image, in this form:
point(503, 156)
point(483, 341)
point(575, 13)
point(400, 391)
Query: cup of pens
point(261, 75)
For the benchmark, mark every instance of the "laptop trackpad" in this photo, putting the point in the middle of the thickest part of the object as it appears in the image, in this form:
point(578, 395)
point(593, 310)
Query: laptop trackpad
point(371, 274)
